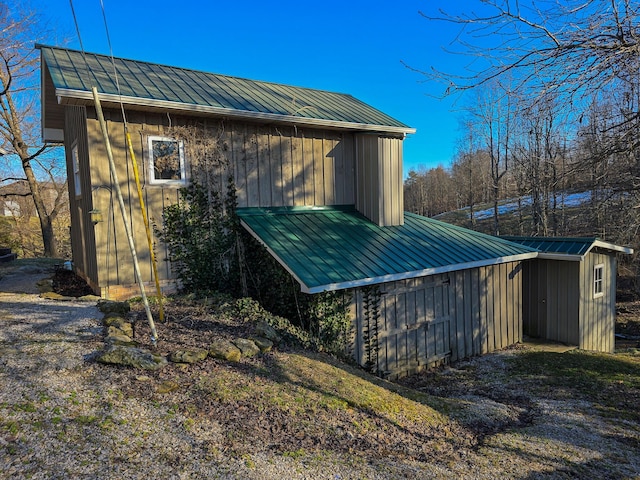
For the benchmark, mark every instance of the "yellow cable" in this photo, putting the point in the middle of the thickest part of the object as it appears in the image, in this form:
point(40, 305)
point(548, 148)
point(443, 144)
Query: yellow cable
point(146, 222)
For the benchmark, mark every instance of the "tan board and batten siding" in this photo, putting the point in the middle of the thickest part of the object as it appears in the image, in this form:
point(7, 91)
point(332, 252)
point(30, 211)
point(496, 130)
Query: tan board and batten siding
point(272, 166)
point(443, 317)
point(379, 174)
point(597, 328)
point(82, 232)
point(559, 303)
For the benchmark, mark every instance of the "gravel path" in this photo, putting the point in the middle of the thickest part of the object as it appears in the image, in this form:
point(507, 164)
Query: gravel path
point(64, 416)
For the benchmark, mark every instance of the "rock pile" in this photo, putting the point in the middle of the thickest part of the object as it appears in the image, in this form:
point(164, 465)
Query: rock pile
point(120, 348)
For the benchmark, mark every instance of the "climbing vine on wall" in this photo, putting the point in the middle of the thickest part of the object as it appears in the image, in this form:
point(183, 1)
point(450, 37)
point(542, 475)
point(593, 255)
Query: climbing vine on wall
point(371, 319)
point(209, 249)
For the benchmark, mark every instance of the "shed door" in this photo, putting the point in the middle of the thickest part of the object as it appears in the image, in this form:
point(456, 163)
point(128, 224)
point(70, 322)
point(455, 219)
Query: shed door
point(414, 325)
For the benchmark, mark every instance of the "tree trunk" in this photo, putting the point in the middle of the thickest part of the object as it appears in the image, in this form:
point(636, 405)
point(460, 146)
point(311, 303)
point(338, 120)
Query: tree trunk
point(46, 225)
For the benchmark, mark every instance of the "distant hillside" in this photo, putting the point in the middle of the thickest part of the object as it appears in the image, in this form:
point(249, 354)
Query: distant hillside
point(569, 219)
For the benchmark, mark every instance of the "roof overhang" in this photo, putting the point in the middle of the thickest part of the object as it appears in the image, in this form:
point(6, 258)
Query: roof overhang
point(81, 97)
point(363, 282)
point(328, 249)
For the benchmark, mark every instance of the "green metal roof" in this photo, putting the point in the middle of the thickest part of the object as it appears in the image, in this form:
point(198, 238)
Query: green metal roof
point(566, 248)
point(332, 248)
point(152, 85)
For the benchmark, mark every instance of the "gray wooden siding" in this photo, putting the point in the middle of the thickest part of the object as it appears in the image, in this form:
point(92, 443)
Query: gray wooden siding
point(551, 300)
point(443, 317)
point(272, 166)
point(82, 234)
point(597, 326)
point(379, 179)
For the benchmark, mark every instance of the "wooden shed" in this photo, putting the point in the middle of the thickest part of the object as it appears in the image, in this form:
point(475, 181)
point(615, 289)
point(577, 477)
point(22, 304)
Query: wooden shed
point(422, 292)
point(570, 291)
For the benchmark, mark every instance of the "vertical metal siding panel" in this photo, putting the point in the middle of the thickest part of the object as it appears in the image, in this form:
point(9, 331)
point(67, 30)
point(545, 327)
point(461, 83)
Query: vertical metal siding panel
point(518, 300)
point(474, 298)
point(611, 303)
point(467, 319)
point(384, 182)
point(358, 319)
point(373, 183)
point(265, 182)
point(278, 186)
point(253, 186)
point(307, 146)
point(528, 286)
point(84, 249)
point(359, 170)
point(383, 336)
point(588, 317)
point(107, 248)
point(318, 171)
point(573, 300)
point(504, 320)
point(491, 309)
point(136, 222)
point(349, 159)
point(339, 171)
point(391, 320)
point(239, 159)
point(288, 178)
point(298, 169)
point(585, 294)
point(508, 301)
point(329, 177)
point(484, 320)
point(460, 315)
point(398, 195)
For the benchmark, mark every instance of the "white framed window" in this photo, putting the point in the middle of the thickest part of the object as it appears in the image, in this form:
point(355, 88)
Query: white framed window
point(598, 280)
point(75, 162)
point(166, 161)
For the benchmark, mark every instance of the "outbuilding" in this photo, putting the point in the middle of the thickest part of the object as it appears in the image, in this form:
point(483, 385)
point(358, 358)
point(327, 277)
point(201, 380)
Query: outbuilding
point(318, 178)
point(569, 291)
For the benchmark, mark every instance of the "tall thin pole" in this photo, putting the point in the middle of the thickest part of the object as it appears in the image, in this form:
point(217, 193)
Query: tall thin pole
point(125, 218)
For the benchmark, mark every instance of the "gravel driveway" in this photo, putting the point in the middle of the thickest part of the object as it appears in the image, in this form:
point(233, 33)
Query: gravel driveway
point(62, 416)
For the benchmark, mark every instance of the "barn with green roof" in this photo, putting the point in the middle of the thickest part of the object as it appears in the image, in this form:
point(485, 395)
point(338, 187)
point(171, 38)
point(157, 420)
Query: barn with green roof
point(319, 182)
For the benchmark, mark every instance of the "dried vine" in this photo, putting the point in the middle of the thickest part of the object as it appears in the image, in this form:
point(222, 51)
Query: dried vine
point(371, 301)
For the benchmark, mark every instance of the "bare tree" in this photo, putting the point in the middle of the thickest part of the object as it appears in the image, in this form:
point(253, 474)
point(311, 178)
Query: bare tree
point(19, 111)
point(570, 48)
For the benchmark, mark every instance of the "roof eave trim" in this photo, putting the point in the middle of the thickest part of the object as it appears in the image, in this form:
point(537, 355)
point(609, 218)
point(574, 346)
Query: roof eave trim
point(417, 273)
point(611, 246)
point(561, 256)
point(229, 112)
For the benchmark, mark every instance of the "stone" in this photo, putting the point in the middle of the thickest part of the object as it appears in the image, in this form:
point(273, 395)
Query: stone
point(56, 296)
point(247, 347)
point(131, 357)
point(124, 329)
point(89, 298)
point(188, 356)
point(119, 339)
point(167, 386)
point(225, 350)
point(264, 344)
point(114, 320)
point(110, 306)
point(263, 329)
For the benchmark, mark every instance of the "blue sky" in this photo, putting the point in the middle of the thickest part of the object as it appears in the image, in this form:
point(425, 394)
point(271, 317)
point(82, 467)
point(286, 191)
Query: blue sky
point(354, 47)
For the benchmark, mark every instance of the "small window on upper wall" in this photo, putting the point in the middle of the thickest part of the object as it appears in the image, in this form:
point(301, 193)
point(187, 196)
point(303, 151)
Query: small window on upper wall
point(166, 161)
point(598, 281)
